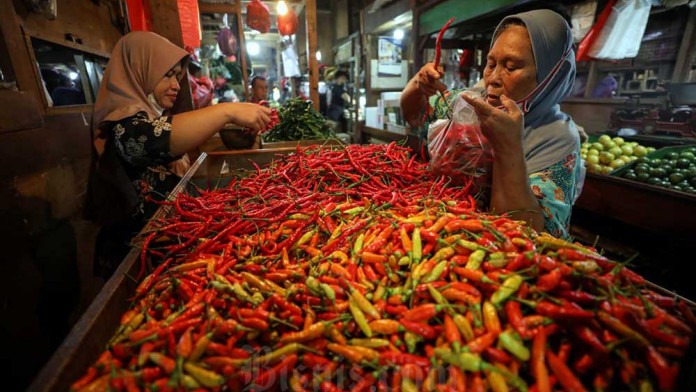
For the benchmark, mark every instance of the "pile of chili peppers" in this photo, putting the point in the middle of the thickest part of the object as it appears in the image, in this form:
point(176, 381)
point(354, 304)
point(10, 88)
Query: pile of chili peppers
point(275, 119)
point(355, 269)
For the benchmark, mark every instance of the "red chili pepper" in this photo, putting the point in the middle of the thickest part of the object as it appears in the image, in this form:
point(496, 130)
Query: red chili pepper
point(482, 342)
point(513, 310)
point(666, 375)
point(497, 355)
point(397, 358)
point(549, 281)
point(563, 374)
point(274, 374)
point(422, 313)
point(421, 329)
point(548, 309)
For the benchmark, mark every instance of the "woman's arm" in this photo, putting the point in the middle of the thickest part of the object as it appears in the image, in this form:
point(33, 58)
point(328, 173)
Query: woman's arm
point(510, 190)
point(191, 129)
point(414, 97)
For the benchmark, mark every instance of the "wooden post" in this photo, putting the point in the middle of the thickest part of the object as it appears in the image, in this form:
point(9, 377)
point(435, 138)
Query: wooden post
point(416, 53)
point(686, 50)
point(243, 52)
point(311, 21)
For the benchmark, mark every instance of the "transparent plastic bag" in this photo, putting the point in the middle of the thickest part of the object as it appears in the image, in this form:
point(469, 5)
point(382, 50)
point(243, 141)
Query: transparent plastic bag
point(457, 147)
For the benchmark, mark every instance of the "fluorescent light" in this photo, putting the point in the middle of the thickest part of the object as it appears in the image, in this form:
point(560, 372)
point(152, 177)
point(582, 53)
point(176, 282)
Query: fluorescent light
point(282, 8)
point(318, 55)
point(73, 75)
point(253, 48)
point(398, 34)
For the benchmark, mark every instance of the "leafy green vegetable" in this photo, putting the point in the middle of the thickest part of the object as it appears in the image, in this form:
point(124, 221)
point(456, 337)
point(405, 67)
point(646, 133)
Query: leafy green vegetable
point(299, 121)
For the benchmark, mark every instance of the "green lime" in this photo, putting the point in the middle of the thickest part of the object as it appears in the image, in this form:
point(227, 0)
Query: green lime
point(671, 155)
point(645, 160)
point(677, 187)
point(691, 150)
point(658, 172)
point(642, 168)
point(687, 154)
point(683, 163)
point(654, 181)
point(656, 162)
point(692, 181)
point(631, 176)
point(643, 176)
point(676, 178)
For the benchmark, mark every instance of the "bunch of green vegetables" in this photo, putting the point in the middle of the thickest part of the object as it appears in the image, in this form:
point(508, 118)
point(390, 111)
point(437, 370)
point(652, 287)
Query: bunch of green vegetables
point(299, 121)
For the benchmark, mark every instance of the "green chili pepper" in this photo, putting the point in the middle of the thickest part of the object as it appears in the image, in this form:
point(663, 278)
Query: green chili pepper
point(435, 272)
point(475, 259)
point(357, 246)
point(359, 318)
point(417, 245)
point(411, 341)
point(305, 237)
point(498, 259)
point(509, 287)
point(472, 246)
point(512, 344)
point(329, 292)
point(354, 210)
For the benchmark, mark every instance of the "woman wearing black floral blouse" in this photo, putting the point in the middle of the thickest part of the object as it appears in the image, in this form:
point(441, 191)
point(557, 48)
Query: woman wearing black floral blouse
point(138, 146)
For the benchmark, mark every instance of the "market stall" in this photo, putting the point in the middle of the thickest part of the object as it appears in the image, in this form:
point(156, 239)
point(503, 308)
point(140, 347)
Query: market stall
point(350, 276)
point(309, 263)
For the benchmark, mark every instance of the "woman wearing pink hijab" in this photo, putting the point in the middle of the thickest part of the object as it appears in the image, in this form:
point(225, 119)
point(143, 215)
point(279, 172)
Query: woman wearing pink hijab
point(138, 143)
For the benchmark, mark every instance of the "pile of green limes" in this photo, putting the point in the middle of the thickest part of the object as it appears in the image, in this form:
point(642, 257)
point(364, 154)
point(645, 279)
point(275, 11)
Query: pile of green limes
point(675, 170)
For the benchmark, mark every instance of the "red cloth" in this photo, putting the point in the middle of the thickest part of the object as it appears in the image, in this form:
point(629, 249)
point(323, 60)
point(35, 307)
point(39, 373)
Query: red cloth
point(190, 22)
point(139, 15)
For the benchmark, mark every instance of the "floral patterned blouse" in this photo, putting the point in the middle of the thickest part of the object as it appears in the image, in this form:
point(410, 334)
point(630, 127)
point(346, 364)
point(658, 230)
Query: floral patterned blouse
point(555, 187)
point(143, 145)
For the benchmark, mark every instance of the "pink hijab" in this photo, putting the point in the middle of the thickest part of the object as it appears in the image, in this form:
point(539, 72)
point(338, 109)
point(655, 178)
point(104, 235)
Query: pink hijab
point(138, 62)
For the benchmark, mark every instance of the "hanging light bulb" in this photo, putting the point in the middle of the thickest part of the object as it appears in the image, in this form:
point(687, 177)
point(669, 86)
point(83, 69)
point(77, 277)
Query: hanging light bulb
point(253, 48)
point(398, 34)
point(282, 8)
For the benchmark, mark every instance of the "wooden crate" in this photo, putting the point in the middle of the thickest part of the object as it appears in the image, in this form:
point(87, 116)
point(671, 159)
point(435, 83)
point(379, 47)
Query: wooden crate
point(302, 143)
point(89, 336)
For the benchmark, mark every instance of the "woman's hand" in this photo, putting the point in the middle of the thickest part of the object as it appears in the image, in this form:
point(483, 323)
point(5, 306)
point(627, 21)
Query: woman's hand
point(427, 80)
point(414, 97)
point(251, 115)
point(503, 128)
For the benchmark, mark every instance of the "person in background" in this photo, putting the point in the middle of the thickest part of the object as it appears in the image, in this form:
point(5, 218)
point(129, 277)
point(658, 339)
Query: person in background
point(137, 141)
point(339, 97)
point(259, 90)
point(537, 170)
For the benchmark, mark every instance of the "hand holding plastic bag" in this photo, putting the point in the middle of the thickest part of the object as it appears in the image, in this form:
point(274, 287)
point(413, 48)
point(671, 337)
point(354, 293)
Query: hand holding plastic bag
point(457, 147)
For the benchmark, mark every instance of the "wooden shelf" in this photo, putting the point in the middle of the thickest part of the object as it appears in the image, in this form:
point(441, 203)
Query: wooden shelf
point(627, 201)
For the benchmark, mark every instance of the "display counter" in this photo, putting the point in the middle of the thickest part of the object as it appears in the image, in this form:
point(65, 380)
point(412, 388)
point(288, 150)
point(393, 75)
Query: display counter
point(97, 325)
point(648, 207)
point(410, 138)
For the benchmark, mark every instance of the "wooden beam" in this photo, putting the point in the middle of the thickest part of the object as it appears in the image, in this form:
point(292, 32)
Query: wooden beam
point(311, 20)
point(686, 50)
point(218, 8)
point(416, 54)
point(18, 111)
point(242, 53)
